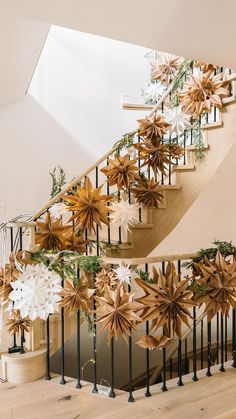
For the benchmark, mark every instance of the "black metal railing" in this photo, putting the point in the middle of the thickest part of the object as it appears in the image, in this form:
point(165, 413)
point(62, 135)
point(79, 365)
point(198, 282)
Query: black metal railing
point(205, 345)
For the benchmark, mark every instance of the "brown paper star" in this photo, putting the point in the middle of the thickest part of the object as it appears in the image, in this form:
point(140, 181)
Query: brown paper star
point(10, 273)
point(76, 297)
point(154, 342)
point(76, 243)
point(166, 303)
point(153, 128)
point(156, 156)
point(89, 206)
point(148, 193)
point(202, 92)
point(165, 68)
point(17, 324)
point(117, 312)
point(103, 278)
point(52, 234)
point(121, 171)
point(206, 67)
point(219, 279)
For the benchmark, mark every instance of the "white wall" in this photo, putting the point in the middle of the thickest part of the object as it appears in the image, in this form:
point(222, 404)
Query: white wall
point(79, 81)
point(212, 216)
point(72, 117)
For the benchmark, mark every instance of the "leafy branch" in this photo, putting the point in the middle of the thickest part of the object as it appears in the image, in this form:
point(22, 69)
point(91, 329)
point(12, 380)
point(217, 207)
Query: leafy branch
point(58, 180)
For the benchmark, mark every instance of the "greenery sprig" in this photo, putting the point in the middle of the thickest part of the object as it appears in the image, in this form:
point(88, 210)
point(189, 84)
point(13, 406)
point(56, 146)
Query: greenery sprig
point(225, 248)
point(58, 180)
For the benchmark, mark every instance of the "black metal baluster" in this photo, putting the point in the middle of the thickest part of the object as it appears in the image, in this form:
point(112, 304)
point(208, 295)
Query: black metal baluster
point(194, 346)
point(120, 235)
point(164, 387)
point(48, 376)
point(201, 350)
point(208, 373)
point(226, 339)
point(234, 337)
point(139, 166)
point(217, 338)
point(112, 391)
point(186, 356)
point(131, 398)
point(78, 385)
point(222, 368)
point(22, 339)
point(63, 381)
point(147, 393)
point(215, 114)
point(180, 381)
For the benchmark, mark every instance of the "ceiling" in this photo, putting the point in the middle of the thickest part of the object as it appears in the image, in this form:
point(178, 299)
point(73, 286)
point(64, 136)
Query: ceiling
point(203, 30)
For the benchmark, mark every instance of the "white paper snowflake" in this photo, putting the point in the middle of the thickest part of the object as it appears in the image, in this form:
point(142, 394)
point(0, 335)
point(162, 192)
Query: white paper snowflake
point(123, 273)
point(131, 151)
point(153, 92)
point(35, 292)
point(58, 210)
point(178, 120)
point(124, 214)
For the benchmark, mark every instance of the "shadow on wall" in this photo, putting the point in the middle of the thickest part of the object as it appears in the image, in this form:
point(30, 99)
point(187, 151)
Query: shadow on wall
point(32, 143)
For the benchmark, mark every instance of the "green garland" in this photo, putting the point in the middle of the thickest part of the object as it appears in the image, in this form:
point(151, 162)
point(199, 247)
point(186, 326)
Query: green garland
point(225, 248)
point(58, 180)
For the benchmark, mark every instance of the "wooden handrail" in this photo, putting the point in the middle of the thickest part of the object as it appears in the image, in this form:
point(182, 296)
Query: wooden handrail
point(148, 259)
point(103, 158)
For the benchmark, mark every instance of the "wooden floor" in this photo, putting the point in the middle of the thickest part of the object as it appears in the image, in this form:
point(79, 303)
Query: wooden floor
point(210, 397)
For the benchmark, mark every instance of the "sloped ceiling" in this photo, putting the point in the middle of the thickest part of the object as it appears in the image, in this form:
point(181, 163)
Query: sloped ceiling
point(197, 29)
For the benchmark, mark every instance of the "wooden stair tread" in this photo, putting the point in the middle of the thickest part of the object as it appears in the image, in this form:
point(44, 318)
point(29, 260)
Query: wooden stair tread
point(185, 167)
point(210, 125)
point(229, 99)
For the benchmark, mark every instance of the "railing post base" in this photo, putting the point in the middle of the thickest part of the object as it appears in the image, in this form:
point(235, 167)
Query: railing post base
point(208, 374)
point(148, 394)
point(78, 385)
point(131, 399)
point(164, 388)
point(180, 383)
point(195, 378)
point(222, 369)
point(63, 381)
point(48, 377)
point(95, 390)
point(112, 394)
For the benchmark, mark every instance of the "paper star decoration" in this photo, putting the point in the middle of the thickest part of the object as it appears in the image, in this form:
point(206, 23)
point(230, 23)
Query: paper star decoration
point(165, 68)
point(75, 297)
point(178, 120)
point(103, 278)
point(153, 92)
point(35, 292)
point(117, 312)
point(121, 171)
point(166, 303)
point(154, 342)
point(58, 210)
point(17, 324)
point(148, 193)
point(124, 274)
point(124, 214)
point(203, 91)
point(153, 128)
point(219, 279)
point(51, 234)
point(89, 206)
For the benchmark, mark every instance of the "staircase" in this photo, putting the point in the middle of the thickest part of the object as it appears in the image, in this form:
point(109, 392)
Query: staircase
point(182, 184)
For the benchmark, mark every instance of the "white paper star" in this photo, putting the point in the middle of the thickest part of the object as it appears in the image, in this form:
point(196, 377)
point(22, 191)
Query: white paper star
point(178, 120)
point(123, 273)
point(153, 92)
point(35, 292)
point(124, 214)
point(58, 210)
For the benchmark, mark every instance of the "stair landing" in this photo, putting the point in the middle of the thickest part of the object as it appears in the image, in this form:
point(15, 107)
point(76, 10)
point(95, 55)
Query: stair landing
point(210, 397)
